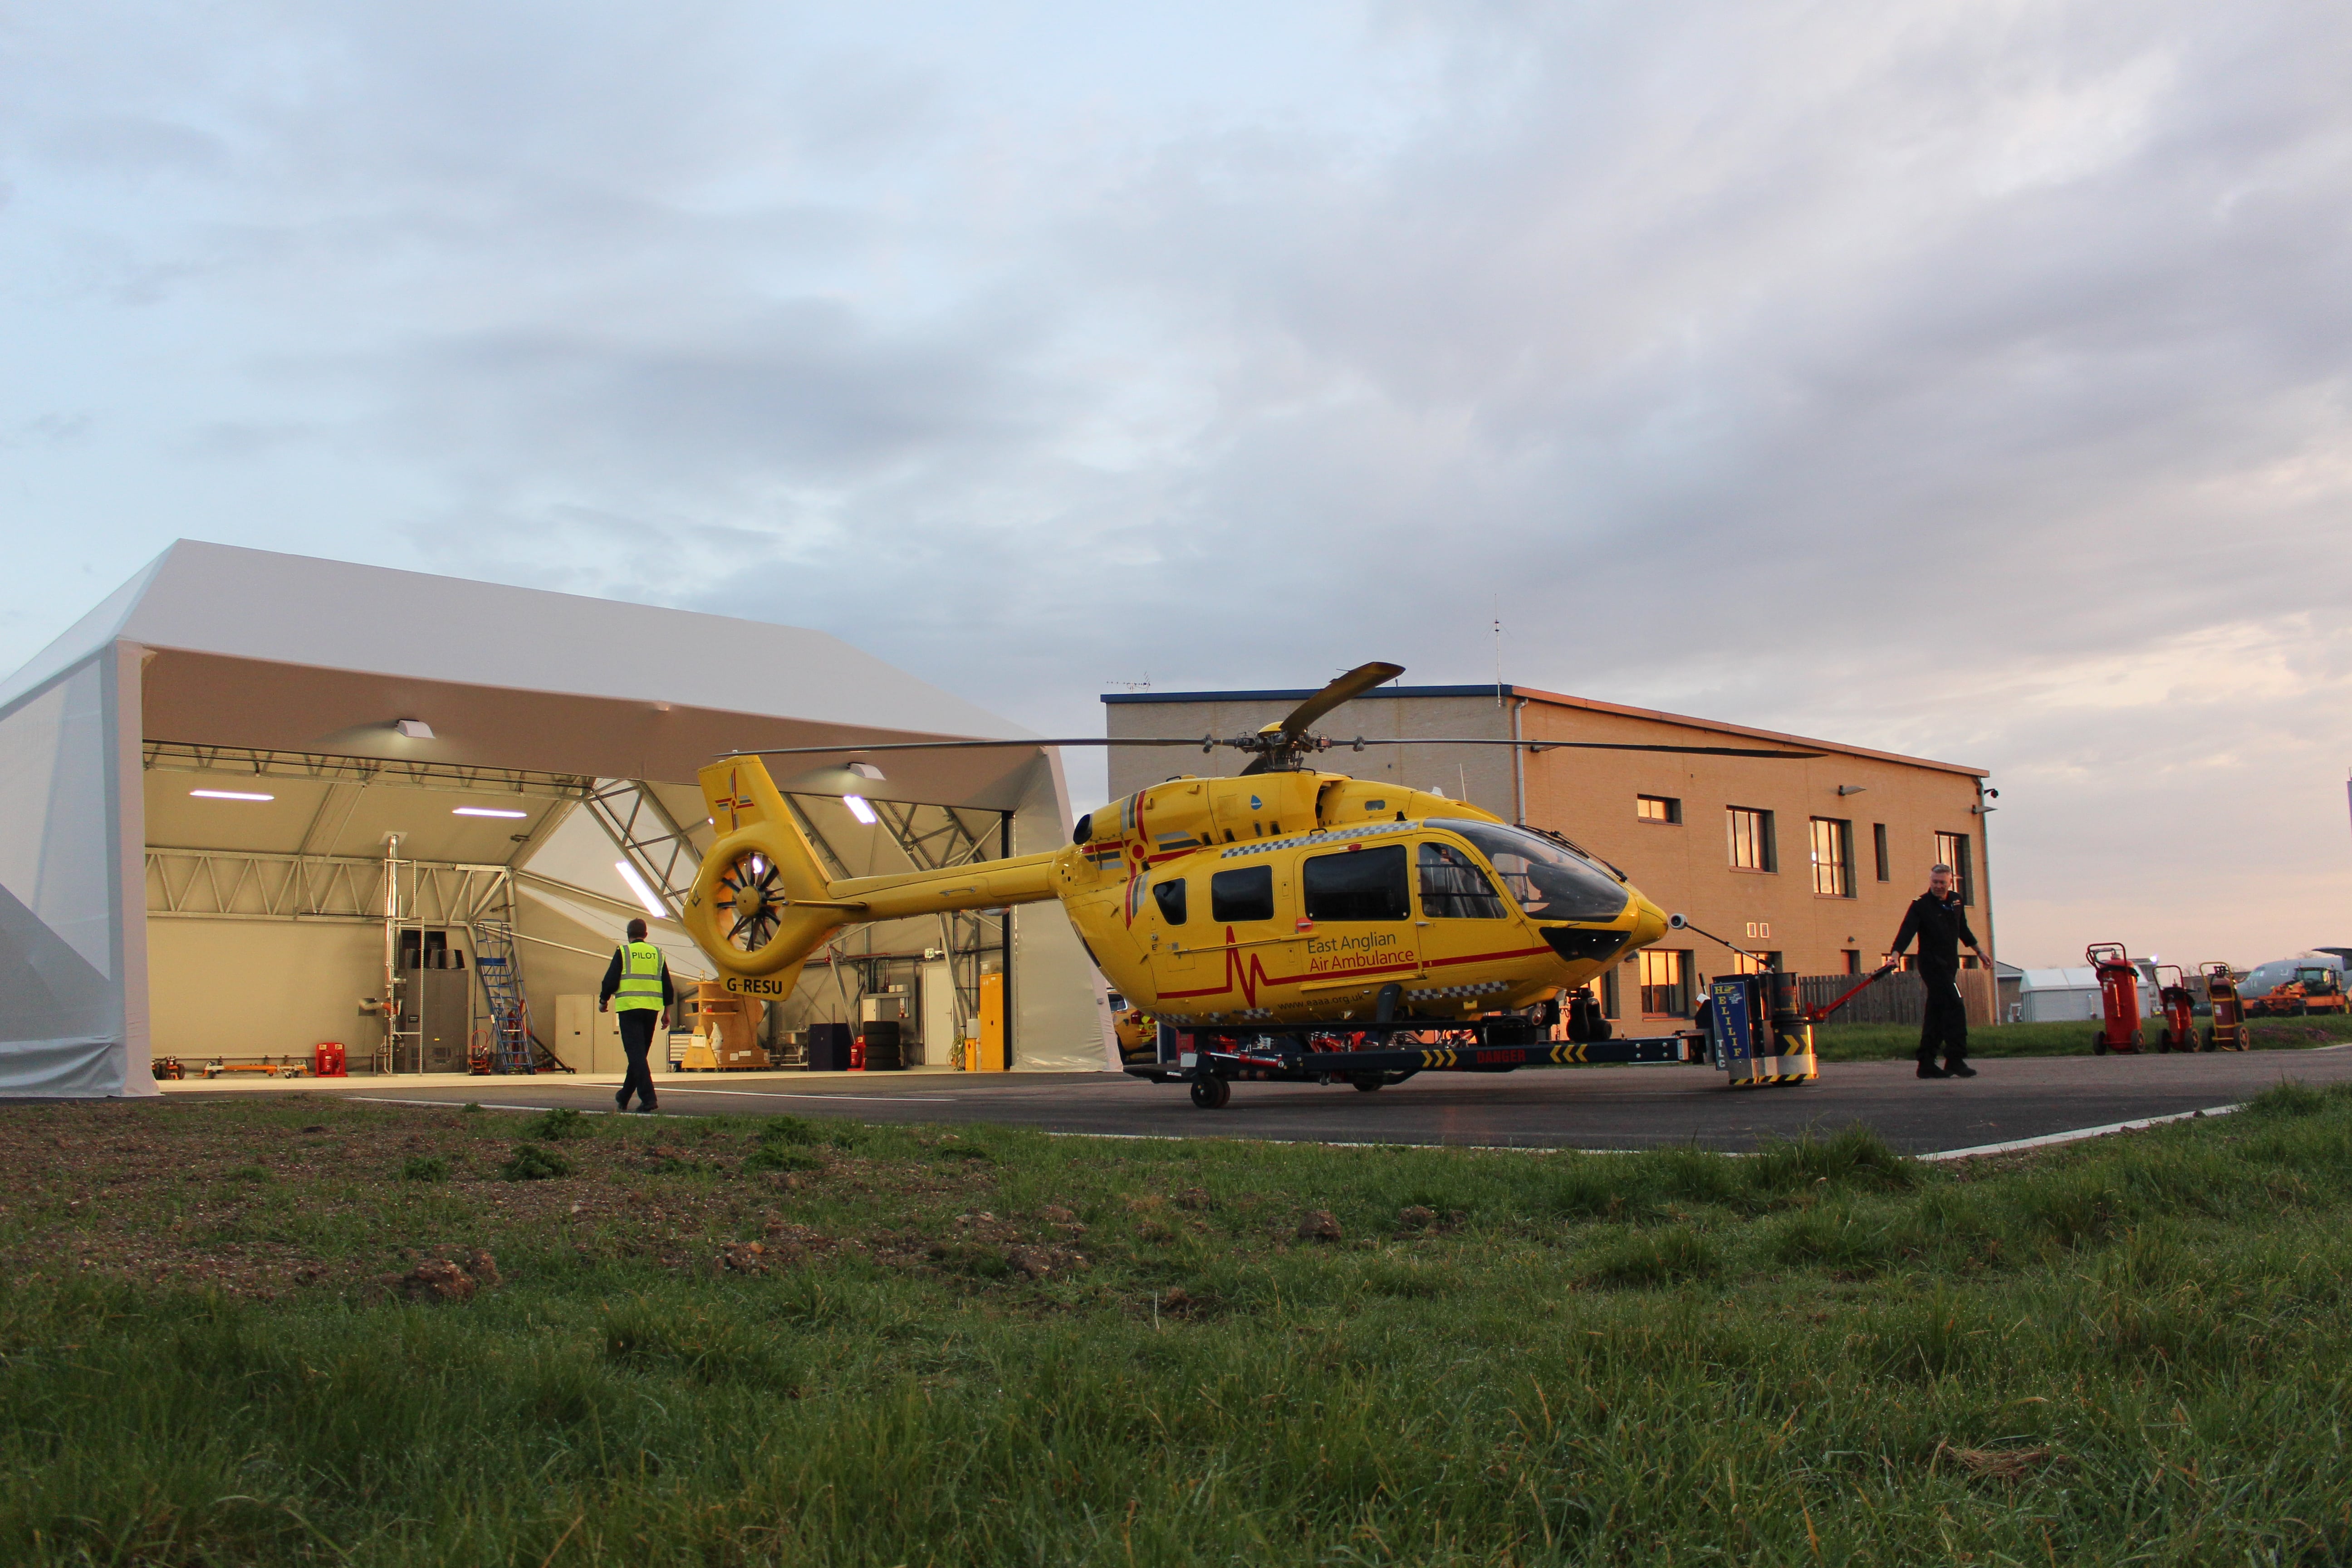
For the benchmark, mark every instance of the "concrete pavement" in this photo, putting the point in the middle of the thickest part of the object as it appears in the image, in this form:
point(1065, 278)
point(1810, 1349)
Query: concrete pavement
point(2014, 1098)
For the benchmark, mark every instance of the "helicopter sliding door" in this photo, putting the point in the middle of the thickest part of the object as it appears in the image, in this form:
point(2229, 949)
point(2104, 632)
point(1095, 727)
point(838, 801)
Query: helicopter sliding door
point(1355, 925)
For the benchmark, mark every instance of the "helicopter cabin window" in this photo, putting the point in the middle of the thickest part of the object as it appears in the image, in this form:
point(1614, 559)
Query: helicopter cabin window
point(1169, 897)
point(1751, 839)
point(1666, 983)
point(1454, 889)
point(1243, 894)
point(1659, 808)
point(1356, 885)
point(1552, 879)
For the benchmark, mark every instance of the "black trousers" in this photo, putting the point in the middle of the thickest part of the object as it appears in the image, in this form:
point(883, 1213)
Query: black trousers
point(1945, 1024)
point(637, 1040)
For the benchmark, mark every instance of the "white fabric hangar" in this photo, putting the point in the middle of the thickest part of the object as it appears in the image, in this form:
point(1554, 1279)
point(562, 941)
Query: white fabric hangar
point(254, 802)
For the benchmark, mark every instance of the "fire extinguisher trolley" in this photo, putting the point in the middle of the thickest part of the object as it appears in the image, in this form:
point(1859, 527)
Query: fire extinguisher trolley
point(2227, 1032)
point(2176, 1005)
point(2118, 998)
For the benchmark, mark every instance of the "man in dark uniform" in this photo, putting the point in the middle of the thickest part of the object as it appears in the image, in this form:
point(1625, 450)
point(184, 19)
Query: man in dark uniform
point(637, 981)
point(1936, 918)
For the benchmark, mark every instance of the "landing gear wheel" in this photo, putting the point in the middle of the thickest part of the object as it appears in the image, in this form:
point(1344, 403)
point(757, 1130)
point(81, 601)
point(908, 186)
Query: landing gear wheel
point(2164, 1043)
point(1210, 1093)
point(2205, 1041)
point(2099, 1044)
point(1367, 1085)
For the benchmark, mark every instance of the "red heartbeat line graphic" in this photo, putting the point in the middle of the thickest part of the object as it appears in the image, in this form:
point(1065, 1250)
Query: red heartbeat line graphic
point(1246, 972)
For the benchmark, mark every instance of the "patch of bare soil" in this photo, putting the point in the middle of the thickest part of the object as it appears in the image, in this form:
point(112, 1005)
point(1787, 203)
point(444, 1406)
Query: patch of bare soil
point(261, 1197)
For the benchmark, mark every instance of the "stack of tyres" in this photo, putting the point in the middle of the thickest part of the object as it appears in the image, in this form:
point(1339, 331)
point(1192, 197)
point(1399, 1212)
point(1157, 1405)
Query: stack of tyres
point(880, 1038)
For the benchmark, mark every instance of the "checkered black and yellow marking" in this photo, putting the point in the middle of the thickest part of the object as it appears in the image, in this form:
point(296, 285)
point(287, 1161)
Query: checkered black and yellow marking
point(1484, 988)
point(1768, 1070)
point(1321, 836)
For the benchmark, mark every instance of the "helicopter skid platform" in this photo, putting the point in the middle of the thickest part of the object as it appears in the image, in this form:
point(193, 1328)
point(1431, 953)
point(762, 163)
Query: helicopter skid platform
point(1310, 1066)
point(1270, 1058)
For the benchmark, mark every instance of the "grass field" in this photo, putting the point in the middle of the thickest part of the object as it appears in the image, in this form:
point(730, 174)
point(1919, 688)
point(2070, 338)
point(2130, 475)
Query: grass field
point(230, 1333)
point(1878, 1042)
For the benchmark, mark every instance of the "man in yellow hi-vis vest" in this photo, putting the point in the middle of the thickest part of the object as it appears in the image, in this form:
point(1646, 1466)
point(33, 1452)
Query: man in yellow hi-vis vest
point(637, 983)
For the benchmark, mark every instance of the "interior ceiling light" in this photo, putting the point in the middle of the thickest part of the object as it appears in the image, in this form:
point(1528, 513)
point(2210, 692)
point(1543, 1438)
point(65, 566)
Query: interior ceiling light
point(415, 729)
point(485, 811)
point(637, 886)
point(859, 809)
point(228, 795)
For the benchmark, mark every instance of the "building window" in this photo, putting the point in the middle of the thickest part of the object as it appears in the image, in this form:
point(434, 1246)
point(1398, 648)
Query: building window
point(1751, 839)
point(1666, 983)
point(1952, 849)
point(1766, 964)
point(1878, 842)
point(1609, 993)
point(1832, 857)
point(1664, 808)
point(1853, 960)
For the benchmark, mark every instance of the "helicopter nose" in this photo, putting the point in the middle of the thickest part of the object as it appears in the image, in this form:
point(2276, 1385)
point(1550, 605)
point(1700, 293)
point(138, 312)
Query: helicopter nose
point(1649, 923)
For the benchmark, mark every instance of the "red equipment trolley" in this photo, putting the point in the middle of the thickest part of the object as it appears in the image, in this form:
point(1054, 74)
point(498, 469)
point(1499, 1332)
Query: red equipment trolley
point(2118, 997)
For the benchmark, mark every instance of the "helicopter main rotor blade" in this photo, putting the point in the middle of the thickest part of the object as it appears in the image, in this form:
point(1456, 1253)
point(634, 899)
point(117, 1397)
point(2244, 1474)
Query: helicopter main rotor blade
point(1203, 742)
point(1583, 746)
point(1355, 683)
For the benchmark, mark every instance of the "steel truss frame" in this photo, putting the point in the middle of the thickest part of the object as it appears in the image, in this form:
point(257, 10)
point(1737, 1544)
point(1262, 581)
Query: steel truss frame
point(235, 885)
point(180, 757)
point(648, 836)
point(937, 837)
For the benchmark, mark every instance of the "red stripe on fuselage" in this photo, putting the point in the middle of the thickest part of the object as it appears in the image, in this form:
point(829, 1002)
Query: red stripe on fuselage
point(1252, 974)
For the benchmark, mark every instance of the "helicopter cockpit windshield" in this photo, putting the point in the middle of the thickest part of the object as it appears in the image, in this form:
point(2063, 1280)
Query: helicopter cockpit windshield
point(1550, 881)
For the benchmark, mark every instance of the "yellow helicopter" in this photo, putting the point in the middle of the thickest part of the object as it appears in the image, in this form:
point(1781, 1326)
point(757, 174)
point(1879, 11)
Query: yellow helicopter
point(1284, 924)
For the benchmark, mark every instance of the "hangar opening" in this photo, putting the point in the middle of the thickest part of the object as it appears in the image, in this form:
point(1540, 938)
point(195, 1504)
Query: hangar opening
point(253, 803)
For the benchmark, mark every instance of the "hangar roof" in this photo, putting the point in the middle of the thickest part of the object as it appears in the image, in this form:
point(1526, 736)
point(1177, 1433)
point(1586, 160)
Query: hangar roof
point(258, 649)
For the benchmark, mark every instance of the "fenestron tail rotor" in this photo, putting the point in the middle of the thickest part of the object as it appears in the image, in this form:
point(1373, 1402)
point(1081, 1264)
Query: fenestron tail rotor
point(748, 898)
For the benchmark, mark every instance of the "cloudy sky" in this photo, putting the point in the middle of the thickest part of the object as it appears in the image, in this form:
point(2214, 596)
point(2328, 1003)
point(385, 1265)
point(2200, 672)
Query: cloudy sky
point(1966, 379)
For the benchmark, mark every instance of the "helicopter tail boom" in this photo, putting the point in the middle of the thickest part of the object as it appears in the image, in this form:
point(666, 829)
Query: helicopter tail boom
point(761, 902)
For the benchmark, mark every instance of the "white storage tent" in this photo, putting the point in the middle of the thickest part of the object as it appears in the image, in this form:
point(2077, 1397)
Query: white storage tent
point(2058, 995)
point(215, 785)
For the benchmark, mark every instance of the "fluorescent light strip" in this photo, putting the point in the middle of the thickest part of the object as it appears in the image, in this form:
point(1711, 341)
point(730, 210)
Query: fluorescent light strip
point(228, 795)
point(859, 809)
point(637, 886)
point(485, 811)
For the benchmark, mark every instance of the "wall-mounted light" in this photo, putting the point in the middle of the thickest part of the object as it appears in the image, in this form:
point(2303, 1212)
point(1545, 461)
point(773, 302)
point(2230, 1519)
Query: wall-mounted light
point(228, 795)
point(485, 811)
point(859, 809)
point(637, 886)
point(1845, 790)
point(415, 729)
point(866, 771)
